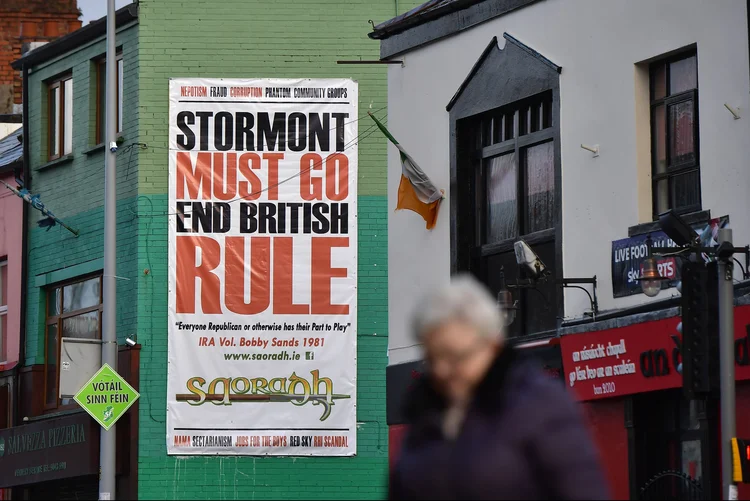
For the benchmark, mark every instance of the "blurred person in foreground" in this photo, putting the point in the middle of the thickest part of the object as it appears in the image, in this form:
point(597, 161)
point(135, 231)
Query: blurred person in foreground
point(485, 422)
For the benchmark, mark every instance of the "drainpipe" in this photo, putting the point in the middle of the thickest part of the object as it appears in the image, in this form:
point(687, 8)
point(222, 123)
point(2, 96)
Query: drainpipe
point(17, 417)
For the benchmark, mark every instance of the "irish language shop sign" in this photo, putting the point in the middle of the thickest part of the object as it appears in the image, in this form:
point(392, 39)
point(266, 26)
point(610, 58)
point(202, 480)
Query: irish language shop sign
point(106, 397)
point(262, 267)
point(638, 358)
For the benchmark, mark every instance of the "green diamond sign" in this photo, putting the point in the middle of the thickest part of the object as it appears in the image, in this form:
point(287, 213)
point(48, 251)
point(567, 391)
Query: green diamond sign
point(106, 396)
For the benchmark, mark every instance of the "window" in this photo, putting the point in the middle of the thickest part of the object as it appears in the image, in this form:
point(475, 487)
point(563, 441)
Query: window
point(60, 115)
point(101, 98)
point(514, 197)
point(73, 310)
point(674, 135)
point(3, 307)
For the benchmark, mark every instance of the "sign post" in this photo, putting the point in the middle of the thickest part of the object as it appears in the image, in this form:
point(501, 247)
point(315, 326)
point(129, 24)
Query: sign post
point(106, 397)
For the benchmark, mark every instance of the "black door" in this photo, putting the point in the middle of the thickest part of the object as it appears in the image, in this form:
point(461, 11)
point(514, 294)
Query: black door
point(673, 444)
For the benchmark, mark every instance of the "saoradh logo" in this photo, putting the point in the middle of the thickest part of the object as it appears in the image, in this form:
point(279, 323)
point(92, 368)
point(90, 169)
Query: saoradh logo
point(294, 389)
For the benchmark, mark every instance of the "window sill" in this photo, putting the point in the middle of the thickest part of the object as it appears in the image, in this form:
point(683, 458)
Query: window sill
point(94, 149)
point(56, 162)
point(652, 227)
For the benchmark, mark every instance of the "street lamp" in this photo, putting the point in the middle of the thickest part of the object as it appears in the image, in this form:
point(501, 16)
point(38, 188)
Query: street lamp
point(650, 277)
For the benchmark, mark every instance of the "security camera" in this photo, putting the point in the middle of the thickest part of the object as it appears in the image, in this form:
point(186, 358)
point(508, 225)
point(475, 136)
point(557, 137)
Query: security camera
point(113, 147)
point(527, 258)
point(130, 342)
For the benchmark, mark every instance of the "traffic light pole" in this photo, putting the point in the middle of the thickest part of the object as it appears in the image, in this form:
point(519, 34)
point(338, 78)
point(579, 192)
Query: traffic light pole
point(726, 358)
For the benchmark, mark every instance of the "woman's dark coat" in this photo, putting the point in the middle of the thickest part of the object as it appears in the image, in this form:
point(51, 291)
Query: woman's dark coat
point(523, 438)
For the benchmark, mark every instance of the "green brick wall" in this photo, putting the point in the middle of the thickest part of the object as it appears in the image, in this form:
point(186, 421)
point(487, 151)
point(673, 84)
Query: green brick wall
point(74, 189)
point(253, 39)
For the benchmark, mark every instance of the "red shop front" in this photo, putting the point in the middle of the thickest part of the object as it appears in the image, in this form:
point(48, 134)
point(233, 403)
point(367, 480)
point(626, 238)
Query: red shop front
point(624, 371)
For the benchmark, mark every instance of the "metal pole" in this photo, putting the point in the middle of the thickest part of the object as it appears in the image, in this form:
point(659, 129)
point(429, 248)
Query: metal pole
point(107, 452)
point(726, 358)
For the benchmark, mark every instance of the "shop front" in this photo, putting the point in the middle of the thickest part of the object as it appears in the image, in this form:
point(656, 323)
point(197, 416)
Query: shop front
point(652, 440)
point(51, 458)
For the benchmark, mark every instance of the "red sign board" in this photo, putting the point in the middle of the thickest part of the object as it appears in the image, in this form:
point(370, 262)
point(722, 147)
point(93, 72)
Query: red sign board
point(637, 358)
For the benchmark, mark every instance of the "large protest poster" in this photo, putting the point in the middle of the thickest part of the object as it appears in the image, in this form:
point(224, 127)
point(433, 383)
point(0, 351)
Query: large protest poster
point(262, 267)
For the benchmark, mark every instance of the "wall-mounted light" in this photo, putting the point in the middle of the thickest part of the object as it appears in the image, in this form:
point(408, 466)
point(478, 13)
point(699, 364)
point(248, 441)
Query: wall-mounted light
point(735, 113)
point(593, 149)
point(528, 260)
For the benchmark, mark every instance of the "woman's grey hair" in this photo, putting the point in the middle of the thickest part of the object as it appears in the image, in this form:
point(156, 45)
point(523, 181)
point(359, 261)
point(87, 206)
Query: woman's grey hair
point(464, 300)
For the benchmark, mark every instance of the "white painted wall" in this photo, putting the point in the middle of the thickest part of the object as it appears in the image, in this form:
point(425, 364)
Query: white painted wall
point(598, 44)
point(8, 128)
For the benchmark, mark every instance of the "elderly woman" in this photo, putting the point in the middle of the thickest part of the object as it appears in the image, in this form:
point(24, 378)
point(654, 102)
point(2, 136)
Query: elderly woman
point(486, 423)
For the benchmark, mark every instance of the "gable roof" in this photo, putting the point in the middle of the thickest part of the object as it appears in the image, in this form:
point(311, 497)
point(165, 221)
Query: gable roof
point(493, 44)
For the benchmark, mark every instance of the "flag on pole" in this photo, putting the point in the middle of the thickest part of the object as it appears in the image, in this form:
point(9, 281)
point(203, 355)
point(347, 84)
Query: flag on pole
point(415, 192)
point(50, 219)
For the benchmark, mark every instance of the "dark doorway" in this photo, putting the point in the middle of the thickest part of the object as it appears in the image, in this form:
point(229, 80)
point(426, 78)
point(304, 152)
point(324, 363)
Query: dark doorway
point(673, 446)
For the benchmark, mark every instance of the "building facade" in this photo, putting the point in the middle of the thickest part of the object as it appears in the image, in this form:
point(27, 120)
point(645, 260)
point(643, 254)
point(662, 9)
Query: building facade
point(159, 40)
point(63, 299)
point(572, 135)
point(237, 39)
point(11, 265)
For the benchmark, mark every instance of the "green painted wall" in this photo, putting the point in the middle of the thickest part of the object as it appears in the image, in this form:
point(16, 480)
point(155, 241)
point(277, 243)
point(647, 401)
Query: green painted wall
point(283, 39)
point(74, 188)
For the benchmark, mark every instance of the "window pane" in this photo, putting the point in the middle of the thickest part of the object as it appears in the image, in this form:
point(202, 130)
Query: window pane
point(523, 120)
point(54, 122)
point(661, 196)
point(658, 81)
point(487, 131)
point(51, 364)
point(502, 199)
point(681, 144)
point(53, 302)
point(685, 190)
point(119, 95)
point(547, 113)
point(509, 132)
point(691, 459)
point(84, 326)
point(102, 77)
point(659, 138)
point(4, 284)
point(683, 75)
point(540, 176)
point(536, 115)
point(81, 295)
point(68, 119)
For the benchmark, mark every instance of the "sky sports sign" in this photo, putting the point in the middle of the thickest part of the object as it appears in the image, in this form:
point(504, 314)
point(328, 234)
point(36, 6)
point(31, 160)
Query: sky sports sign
point(628, 255)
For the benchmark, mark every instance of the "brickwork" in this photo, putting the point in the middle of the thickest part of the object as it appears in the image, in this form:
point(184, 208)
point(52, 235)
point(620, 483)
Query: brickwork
point(286, 39)
point(23, 21)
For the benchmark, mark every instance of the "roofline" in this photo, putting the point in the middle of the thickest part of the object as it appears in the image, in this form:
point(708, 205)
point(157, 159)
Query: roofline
point(11, 167)
point(91, 31)
point(418, 28)
point(394, 26)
